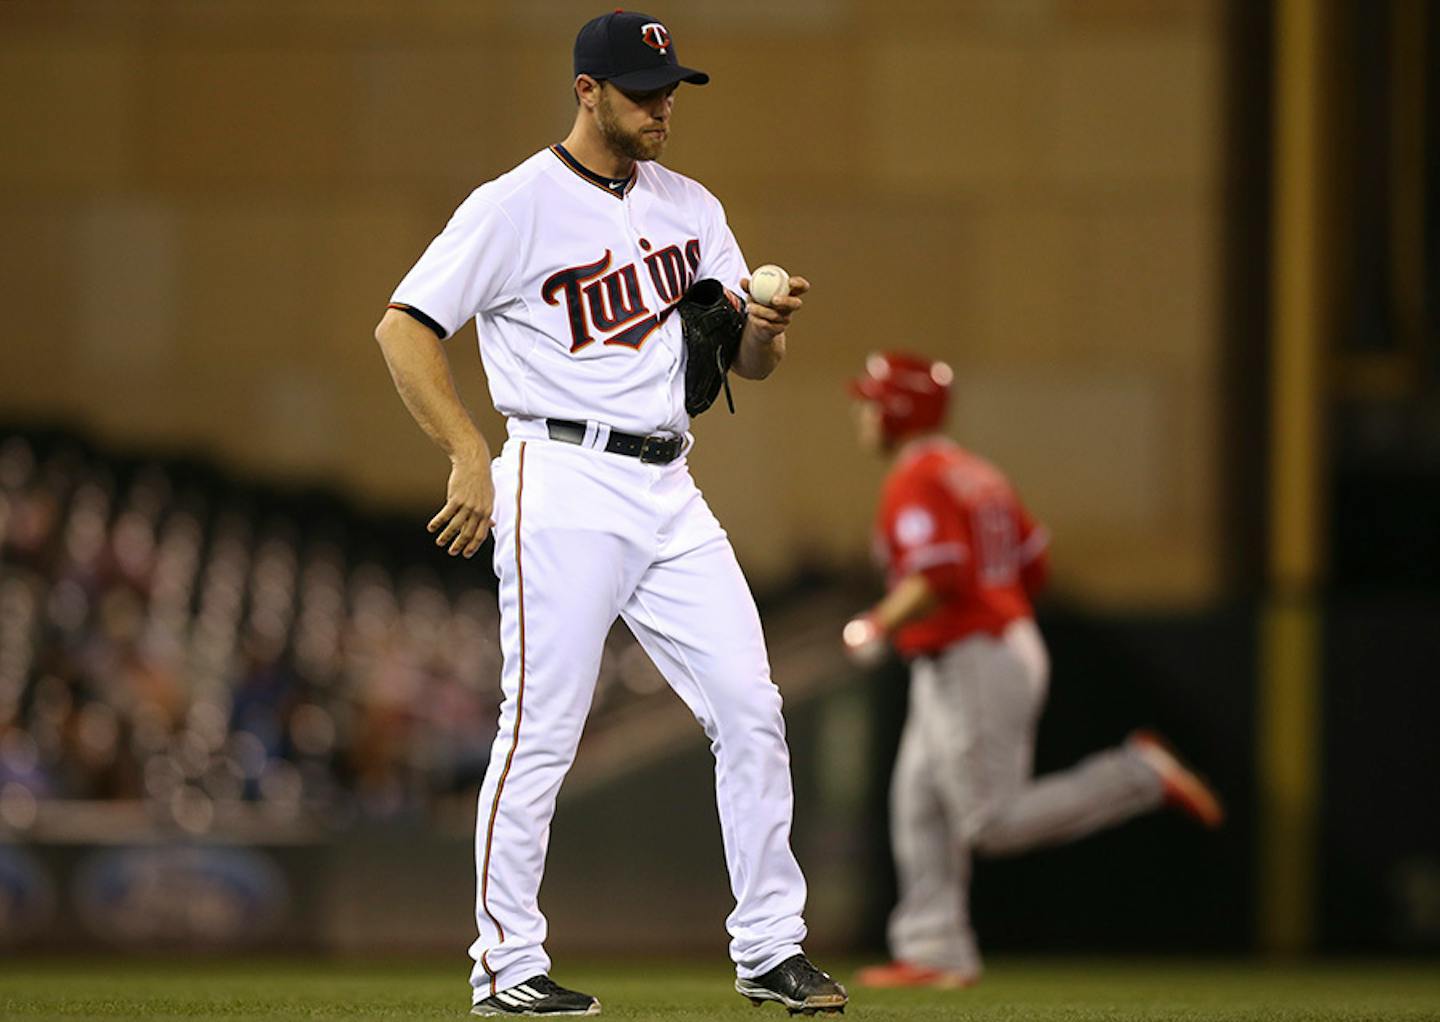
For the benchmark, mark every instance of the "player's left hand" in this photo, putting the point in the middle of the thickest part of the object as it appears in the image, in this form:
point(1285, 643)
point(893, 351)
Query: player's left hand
point(766, 322)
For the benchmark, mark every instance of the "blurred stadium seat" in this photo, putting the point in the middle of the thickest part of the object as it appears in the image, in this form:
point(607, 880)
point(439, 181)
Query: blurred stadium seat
point(171, 641)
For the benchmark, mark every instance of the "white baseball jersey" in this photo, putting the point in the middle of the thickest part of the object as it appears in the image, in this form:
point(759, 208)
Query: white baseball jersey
point(571, 279)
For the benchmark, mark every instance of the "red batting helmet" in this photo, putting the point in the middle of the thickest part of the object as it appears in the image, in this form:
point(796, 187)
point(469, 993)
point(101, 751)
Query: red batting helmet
point(911, 390)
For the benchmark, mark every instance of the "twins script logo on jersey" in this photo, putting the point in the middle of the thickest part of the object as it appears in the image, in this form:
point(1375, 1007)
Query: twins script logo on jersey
point(655, 35)
point(601, 301)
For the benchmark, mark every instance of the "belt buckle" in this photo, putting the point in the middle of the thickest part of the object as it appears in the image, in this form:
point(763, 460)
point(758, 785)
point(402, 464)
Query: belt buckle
point(652, 450)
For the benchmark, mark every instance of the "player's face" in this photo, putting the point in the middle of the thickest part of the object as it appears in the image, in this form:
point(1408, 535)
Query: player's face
point(636, 125)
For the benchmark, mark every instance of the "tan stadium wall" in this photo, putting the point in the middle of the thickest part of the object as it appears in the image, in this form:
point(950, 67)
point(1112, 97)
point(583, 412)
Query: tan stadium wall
point(207, 202)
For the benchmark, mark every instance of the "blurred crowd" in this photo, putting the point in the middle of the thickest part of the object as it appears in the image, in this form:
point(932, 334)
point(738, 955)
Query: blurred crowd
point(167, 638)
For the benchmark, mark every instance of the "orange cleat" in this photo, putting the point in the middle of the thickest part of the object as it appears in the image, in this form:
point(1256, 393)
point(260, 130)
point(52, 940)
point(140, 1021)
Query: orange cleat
point(1184, 789)
point(892, 975)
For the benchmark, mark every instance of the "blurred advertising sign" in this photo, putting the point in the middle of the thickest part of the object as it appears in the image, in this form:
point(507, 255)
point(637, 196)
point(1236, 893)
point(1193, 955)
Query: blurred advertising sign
point(27, 896)
point(188, 895)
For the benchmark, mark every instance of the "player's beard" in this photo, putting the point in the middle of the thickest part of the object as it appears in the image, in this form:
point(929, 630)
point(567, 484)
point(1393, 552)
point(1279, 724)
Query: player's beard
point(633, 145)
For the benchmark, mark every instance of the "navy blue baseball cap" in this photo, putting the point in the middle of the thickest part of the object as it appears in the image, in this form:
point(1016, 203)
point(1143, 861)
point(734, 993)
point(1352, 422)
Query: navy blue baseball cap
point(631, 50)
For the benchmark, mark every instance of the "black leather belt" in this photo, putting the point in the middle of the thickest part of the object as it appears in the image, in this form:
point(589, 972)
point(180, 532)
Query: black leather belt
point(653, 450)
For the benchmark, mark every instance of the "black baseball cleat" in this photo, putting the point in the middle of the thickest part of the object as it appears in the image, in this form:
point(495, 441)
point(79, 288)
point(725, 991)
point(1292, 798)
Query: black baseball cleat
point(539, 995)
point(798, 985)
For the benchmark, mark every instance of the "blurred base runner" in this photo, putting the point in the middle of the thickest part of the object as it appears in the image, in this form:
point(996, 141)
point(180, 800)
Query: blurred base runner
point(964, 560)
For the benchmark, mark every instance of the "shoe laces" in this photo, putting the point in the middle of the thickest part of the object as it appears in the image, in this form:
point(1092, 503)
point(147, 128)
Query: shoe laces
point(802, 968)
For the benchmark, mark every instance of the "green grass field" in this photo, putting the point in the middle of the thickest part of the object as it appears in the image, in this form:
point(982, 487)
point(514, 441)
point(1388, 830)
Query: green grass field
point(1035, 991)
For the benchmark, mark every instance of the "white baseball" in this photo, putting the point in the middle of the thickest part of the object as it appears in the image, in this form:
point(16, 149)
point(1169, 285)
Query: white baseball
point(768, 283)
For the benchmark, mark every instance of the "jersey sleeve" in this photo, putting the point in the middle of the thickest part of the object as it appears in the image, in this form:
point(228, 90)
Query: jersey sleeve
point(465, 271)
point(926, 533)
point(1034, 552)
point(720, 255)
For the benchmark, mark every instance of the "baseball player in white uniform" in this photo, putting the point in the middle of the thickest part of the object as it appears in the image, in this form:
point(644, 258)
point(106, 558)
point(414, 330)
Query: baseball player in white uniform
point(964, 559)
point(571, 264)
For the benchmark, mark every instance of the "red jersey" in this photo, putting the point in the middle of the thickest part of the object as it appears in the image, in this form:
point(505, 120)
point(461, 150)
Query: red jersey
point(955, 518)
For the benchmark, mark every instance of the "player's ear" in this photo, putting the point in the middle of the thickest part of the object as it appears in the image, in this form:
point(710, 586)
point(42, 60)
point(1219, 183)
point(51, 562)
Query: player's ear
point(587, 91)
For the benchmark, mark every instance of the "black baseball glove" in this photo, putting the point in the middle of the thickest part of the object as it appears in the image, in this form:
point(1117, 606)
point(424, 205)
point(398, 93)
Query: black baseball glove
point(712, 320)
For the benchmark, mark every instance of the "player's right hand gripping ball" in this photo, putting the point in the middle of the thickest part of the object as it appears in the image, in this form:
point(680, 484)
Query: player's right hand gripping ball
point(768, 283)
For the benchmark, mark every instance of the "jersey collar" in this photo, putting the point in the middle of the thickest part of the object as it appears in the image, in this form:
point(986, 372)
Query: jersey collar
point(617, 187)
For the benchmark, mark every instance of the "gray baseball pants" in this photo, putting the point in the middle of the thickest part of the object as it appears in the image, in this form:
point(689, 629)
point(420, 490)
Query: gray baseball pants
point(963, 786)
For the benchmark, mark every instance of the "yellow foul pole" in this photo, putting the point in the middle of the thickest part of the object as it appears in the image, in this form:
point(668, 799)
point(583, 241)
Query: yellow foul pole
point(1289, 677)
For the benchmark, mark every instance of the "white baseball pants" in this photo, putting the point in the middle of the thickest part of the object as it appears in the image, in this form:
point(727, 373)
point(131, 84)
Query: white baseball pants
point(581, 537)
point(962, 785)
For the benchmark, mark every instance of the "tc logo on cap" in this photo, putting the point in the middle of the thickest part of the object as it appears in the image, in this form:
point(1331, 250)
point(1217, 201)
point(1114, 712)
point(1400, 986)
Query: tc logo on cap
point(656, 36)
